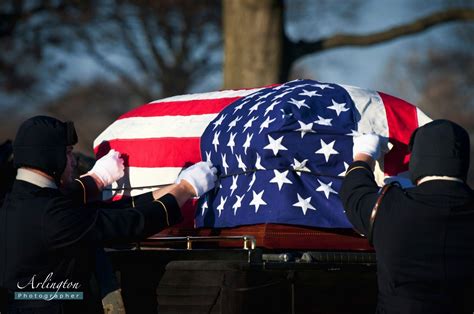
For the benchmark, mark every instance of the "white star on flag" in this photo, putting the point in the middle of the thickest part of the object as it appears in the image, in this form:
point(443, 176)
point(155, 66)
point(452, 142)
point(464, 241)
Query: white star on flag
point(254, 95)
point(254, 177)
point(264, 96)
point(305, 128)
point(338, 107)
point(304, 203)
point(240, 106)
point(234, 186)
point(265, 124)
point(275, 145)
point(299, 166)
point(325, 188)
point(215, 140)
point(285, 115)
point(231, 142)
point(220, 208)
point(322, 121)
point(233, 123)
point(258, 163)
point(343, 174)
point(309, 94)
point(208, 157)
point(241, 164)
point(270, 108)
point(280, 178)
point(249, 123)
point(279, 87)
point(247, 142)
point(204, 207)
point(327, 150)
point(323, 86)
point(257, 200)
point(298, 86)
point(224, 163)
point(238, 203)
point(353, 133)
point(298, 103)
point(281, 95)
point(218, 122)
point(255, 107)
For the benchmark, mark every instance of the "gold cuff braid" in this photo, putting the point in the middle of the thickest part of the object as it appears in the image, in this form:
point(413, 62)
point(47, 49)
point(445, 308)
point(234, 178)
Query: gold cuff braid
point(166, 211)
point(358, 167)
point(84, 189)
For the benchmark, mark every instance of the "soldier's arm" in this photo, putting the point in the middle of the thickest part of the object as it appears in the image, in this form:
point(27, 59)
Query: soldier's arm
point(66, 223)
point(359, 192)
point(83, 190)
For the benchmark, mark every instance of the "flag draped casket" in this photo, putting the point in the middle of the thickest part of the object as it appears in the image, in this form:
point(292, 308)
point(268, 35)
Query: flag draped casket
point(281, 151)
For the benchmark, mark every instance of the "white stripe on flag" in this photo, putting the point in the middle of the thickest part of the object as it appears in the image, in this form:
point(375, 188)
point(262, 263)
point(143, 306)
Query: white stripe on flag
point(139, 177)
point(210, 96)
point(156, 127)
point(371, 111)
point(422, 117)
point(371, 118)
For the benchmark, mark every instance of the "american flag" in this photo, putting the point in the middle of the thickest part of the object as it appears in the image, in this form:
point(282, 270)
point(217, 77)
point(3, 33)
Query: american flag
point(281, 151)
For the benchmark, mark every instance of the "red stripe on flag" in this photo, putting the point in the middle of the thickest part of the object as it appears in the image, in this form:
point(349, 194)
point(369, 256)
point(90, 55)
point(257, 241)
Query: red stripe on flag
point(154, 152)
point(402, 120)
point(117, 197)
point(180, 108)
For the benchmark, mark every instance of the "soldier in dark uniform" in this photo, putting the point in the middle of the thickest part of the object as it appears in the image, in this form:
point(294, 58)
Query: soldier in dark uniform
point(50, 228)
point(7, 172)
point(423, 236)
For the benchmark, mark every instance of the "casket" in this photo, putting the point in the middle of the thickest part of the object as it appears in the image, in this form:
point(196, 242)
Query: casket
point(281, 153)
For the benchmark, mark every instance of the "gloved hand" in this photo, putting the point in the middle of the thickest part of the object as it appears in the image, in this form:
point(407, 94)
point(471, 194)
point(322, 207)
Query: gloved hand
point(202, 176)
point(368, 144)
point(109, 168)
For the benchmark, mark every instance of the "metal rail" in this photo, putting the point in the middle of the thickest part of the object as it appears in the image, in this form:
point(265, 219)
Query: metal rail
point(249, 242)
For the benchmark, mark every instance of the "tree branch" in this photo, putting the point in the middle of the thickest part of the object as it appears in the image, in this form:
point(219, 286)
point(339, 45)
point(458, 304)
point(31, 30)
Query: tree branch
point(129, 43)
point(149, 39)
point(302, 48)
point(104, 62)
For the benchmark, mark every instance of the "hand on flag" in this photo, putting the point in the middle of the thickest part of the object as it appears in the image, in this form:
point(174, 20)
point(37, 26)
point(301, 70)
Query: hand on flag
point(202, 177)
point(371, 144)
point(109, 168)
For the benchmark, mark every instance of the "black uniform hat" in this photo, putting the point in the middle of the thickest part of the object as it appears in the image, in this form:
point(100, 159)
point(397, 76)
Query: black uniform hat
point(41, 143)
point(441, 148)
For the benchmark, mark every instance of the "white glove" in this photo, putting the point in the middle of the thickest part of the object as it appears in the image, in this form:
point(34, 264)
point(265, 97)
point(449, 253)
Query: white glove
point(368, 144)
point(202, 176)
point(109, 168)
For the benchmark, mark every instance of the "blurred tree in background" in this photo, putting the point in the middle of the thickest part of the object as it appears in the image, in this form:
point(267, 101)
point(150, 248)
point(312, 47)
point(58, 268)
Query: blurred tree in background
point(156, 48)
point(261, 53)
point(442, 76)
point(145, 49)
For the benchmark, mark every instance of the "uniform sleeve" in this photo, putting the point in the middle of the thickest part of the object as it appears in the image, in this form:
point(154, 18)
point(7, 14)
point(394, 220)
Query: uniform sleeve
point(145, 218)
point(359, 192)
point(132, 201)
point(65, 223)
point(82, 190)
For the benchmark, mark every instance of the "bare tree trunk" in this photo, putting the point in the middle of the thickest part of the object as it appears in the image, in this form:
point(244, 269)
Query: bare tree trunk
point(253, 42)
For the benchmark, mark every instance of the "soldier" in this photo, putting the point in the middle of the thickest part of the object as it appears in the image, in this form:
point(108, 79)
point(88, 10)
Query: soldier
point(49, 237)
point(423, 236)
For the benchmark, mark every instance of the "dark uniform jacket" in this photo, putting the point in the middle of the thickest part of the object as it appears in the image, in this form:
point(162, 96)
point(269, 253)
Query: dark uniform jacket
point(42, 231)
point(423, 238)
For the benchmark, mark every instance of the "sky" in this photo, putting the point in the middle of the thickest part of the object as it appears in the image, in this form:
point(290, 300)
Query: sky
point(360, 66)
point(367, 66)
point(364, 67)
